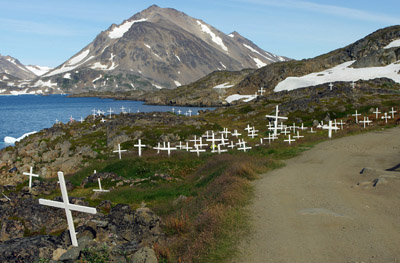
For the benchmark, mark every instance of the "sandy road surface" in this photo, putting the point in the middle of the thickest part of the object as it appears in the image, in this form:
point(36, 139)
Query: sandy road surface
point(312, 210)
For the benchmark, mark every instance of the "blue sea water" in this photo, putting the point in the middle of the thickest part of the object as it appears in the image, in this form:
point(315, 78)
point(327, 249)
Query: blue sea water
point(27, 113)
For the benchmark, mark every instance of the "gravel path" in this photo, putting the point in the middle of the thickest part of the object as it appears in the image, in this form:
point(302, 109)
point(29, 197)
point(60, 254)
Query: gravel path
point(319, 208)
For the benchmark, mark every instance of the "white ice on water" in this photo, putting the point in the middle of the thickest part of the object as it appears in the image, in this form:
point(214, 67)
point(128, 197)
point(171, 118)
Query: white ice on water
point(120, 30)
point(341, 72)
point(12, 140)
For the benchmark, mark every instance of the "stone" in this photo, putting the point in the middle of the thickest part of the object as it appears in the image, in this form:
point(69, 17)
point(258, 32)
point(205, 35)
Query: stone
point(58, 253)
point(145, 255)
point(71, 254)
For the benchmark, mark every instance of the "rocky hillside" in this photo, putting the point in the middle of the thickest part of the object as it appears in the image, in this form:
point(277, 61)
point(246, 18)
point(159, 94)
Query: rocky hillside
point(13, 67)
point(158, 48)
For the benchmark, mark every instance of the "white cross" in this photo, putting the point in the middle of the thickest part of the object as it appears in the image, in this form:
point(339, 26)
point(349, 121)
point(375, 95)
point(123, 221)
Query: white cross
point(356, 114)
point(100, 112)
point(353, 84)
point(138, 111)
point(56, 120)
point(253, 134)
point(221, 150)
point(312, 131)
point(100, 189)
point(201, 144)
point(169, 149)
point(179, 146)
point(194, 140)
point(223, 140)
point(386, 117)
point(190, 112)
point(330, 86)
point(244, 148)
point(376, 113)
point(81, 120)
point(261, 90)
point(330, 127)
point(248, 128)
point(235, 133)
point(289, 140)
point(30, 176)
point(225, 131)
point(94, 113)
point(276, 117)
point(157, 148)
point(123, 109)
point(179, 112)
point(110, 111)
point(140, 146)
point(365, 121)
point(298, 136)
point(392, 112)
point(270, 138)
point(71, 119)
point(102, 120)
point(231, 145)
point(207, 135)
point(302, 127)
point(341, 124)
point(187, 147)
point(119, 151)
point(6, 197)
point(68, 207)
point(212, 140)
point(294, 127)
point(198, 150)
point(173, 110)
point(335, 124)
point(285, 131)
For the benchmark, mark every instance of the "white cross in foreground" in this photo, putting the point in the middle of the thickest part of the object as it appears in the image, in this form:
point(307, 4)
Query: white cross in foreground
point(289, 140)
point(243, 146)
point(68, 207)
point(376, 113)
point(330, 86)
point(140, 146)
point(81, 120)
point(30, 176)
point(173, 110)
point(353, 84)
point(235, 133)
point(190, 112)
point(330, 127)
point(123, 110)
point(179, 112)
point(197, 150)
point(119, 151)
point(276, 117)
point(56, 120)
point(365, 121)
point(356, 115)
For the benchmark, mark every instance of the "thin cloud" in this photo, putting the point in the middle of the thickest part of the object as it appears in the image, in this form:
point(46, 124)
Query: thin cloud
point(346, 12)
point(36, 28)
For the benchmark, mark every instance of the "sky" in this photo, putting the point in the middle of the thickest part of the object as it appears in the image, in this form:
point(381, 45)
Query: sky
point(49, 32)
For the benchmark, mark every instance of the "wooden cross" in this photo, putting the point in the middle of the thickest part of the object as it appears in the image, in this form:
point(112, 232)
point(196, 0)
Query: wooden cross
point(261, 90)
point(330, 128)
point(276, 117)
point(94, 113)
point(179, 112)
point(365, 121)
point(71, 119)
point(235, 133)
point(244, 148)
point(298, 136)
point(221, 150)
point(30, 174)
point(353, 84)
point(330, 86)
point(386, 117)
point(119, 151)
point(173, 110)
point(100, 188)
point(140, 146)
point(376, 113)
point(392, 112)
point(197, 150)
point(81, 120)
point(356, 115)
point(68, 207)
point(110, 111)
point(312, 131)
point(190, 112)
point(289, 140)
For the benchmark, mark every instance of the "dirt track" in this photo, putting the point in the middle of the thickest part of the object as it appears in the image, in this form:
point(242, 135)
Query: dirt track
point(312, 210)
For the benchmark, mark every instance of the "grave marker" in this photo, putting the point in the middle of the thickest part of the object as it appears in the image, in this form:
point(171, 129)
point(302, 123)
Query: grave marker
point(140, 146)
point(119, 151)
point(30, 174)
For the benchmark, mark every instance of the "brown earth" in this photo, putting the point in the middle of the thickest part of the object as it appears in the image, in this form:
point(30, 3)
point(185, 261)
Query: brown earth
point(319, 208)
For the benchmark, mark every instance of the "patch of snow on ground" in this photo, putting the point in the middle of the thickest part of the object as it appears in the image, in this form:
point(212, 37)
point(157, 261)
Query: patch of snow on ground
point(67, 76)
point(341, 72)
point(66, 68)
point(98, 65)
point(222, 64)
point(120, 30)
point(78, 58)
point(38, 70)
point(96, 79)
point(225, 85)
point(158, 87)
point(177, 83)
point(231, 35)
point(149, 47)
point(394, 43)
point(41, 83)
point(245, 98)
point(5, 77)
point(259, 63)
point(216, 39)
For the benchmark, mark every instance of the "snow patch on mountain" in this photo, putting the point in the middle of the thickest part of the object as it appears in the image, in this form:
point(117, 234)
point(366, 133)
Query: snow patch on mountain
point(77, 58)
point(342, 72)
point(259, 63)
point(177, 83)
point(245, 98)
point(394, 43)
point(225, 85)
point(38, 70)
point(41, 83)
point(120, 30)
point(216, 39)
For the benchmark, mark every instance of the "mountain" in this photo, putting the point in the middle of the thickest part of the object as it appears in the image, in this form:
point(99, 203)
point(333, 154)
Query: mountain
point(376, 56)
point(13, 67)
point(154, 49)
point(38, 70)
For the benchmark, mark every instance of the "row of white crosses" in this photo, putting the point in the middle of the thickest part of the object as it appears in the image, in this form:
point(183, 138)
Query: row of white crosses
point(187, 113)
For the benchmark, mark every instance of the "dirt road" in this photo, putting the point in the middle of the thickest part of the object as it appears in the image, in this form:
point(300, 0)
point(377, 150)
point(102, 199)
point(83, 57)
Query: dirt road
point(312, 210)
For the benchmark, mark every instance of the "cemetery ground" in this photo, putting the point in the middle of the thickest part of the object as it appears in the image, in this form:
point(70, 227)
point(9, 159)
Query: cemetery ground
point(200, 200)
